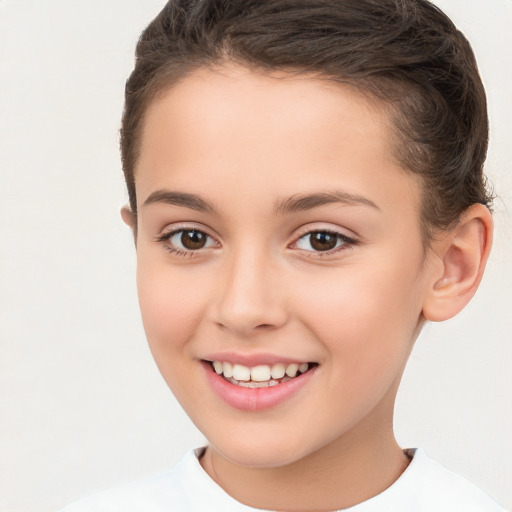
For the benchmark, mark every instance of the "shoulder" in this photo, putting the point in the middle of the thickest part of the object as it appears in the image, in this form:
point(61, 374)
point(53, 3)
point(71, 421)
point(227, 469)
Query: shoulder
point(428, 486)
point(185, 487)
point(163, 491)
point(151, 494)
point(425, 486)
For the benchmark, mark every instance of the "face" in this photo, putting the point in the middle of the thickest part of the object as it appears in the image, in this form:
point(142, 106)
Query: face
point(281, 271)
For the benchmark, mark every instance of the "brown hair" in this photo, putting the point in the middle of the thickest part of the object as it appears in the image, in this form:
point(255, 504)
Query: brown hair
point(406, 53)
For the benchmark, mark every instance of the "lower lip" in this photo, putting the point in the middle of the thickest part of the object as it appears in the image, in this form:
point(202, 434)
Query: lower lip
point(255, 399)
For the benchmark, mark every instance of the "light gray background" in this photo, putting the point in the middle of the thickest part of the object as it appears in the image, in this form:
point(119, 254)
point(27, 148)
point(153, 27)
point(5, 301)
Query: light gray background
point(82, 405)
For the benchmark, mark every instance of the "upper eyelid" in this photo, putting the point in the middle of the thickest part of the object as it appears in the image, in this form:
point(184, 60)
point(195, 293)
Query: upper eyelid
point(185, 226)
point(165, 237)
point(347, 239)
point(300, 232)
point(308, 228)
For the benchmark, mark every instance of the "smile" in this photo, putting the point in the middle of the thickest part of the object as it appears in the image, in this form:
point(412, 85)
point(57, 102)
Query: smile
point(258, 387)
point(260, 376)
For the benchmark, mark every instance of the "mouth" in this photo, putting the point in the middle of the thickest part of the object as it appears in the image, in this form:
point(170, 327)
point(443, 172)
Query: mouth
point(260, 376)
point(259, 387)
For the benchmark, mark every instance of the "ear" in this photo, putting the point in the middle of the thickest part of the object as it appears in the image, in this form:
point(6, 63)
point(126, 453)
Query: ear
point(130, 219)
point(460, 262)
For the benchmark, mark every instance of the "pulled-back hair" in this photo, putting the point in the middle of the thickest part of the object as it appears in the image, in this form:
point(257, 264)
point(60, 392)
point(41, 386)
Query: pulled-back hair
point(406, 53)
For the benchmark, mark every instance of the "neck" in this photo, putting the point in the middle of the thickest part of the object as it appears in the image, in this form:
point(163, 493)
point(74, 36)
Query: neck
point(355, 467)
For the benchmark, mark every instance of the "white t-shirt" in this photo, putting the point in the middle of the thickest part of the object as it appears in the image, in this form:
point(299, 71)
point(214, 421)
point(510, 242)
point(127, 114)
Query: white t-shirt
point(425, 486)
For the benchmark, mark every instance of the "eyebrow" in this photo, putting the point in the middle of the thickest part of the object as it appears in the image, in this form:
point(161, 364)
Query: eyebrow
point(192, 201)
point(296, 203)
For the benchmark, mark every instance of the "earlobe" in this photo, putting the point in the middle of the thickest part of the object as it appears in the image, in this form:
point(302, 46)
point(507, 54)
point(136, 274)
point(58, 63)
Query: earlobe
point(462, 255)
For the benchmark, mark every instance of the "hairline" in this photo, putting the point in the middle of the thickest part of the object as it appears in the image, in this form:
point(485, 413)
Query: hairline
point(373, 89)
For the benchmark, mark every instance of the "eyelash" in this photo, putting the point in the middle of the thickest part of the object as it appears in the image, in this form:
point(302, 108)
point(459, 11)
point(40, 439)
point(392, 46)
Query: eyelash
point(166, 237)
point(347, 242)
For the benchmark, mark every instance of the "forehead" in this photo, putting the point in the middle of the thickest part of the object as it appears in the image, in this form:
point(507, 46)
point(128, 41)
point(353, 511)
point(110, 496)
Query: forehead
point(284, 106)
point(264, 133)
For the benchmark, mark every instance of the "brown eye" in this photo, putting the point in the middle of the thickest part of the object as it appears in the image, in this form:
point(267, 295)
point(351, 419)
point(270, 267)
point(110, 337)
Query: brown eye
point(322, 241)
point(193, 239)
point(187, 241)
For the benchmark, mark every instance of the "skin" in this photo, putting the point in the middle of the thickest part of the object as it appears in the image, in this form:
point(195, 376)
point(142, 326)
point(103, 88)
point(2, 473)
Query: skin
point(245, 142)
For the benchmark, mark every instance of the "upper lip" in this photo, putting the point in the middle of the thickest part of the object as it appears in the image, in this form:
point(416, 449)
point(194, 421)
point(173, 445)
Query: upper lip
point(253, 359)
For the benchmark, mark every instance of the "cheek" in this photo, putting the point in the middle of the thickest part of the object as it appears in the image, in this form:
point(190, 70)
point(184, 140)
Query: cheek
point(171, 309)
point(171, 306)
point(367, 334)
point(365, 316)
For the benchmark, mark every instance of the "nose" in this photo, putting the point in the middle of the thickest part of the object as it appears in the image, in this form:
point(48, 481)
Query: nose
point(250, 297)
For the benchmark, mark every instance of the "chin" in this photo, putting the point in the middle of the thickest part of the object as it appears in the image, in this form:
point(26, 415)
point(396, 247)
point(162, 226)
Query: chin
point(261, 452)
point(252, 458)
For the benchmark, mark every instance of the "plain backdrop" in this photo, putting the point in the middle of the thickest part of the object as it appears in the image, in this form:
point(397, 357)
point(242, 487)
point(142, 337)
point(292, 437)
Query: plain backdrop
point(82, 406)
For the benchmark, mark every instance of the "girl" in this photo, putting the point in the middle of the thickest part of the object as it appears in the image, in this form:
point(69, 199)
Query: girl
point(306, 191)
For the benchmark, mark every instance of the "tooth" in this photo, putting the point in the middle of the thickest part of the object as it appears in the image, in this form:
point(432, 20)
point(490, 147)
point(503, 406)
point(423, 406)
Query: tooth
point(251, 384)
point(227, 370)
point(241, 372)
point(260, 373)
point(278, 371)
point(261, 384)
point(291, 370)
point(217, 366)
point(303, 367)
point(272, 383)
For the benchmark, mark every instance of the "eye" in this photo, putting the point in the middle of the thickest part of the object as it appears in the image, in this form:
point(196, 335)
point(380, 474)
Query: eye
point(323, 241)
point(186, 241)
